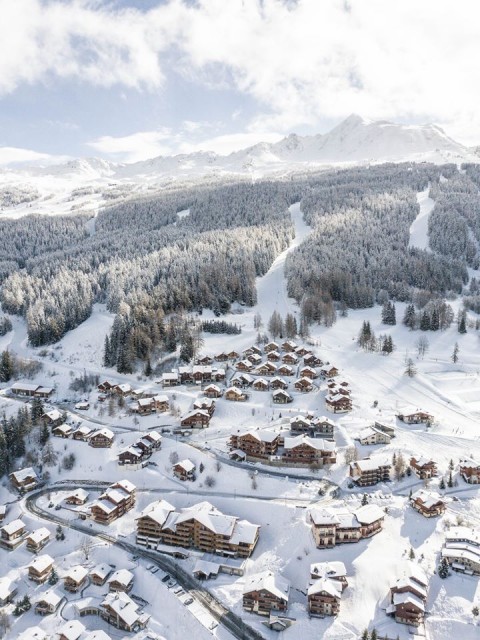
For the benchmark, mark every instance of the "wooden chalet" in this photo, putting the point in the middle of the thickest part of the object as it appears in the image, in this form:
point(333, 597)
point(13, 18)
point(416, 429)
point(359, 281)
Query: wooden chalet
point(40, 568)
point(106, 386)
point(233, 355)
point(273, 356)
point(312, 361)
point(255, 359)
point(72, 630)
point(281, 397)
point(261, 384)
point(289, 346)
point(329, 371)
point(304, 385)
point(131, 455)
point(408, 597)
point(12, 534)
point(37, 539)
point(62, 431)
point(206, 360)
point(253, 350)
point(124, 389)
point(330, 528)
point(415, 417)
point(285, 370)
point(82, 433)
point(102, 439)
point(301, 424)
point(308, 372)
point(242, 380)
point(8, 591)
point(256, 444)
point(53, 418)
point(212, 391)
point(170, 379)
point(323, 427)
point(121, 580)
point(197, 419)
point(201, 527)
point(77, 497)
point(75, 578)
point(386, 427)
point(470, 471)
point(278, 383)
point(461, 550)
point(184, 470)
point(371, 435)
point(205, 404)
point(290, 358)
point(308, 451)
point(423, 468)
point(233, 393)
point(114, 502)
point(338, 403)
point(119, 610)
point(302, 351)
point(428, 503)
point(370, 471)
point(334, 570)
point(323, 598)
point(265, 592)
point(271, 346)
point(3, 512)
point(244, 365)
point(24, 479)
point(99, 574)
point(31, 390)
point(266, 369)
point(48, 603)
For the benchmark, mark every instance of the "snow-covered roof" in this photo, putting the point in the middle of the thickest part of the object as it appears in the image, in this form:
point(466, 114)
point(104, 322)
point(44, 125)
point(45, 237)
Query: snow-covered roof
point(76, 573)
point(422, 461)
point(333, 569)
point(408, 583)
point(6, 588)
point(369, 513)
point(25, 386)
point(40, 563)
point(72, 630)
point(315, 443)
point(39, 535)
point(463, 534)
point(158, 511)
point(324, 584)
point(51, 598)
point(187, 465)
point(160, 398)
point(84, 430)
point(122, 576)
point(197, 412)
point(268, 581)
point(126, 485)
point(32, 633)
point(124, 387)
point(408, 598)
point(207, 568)
point(13, 526)
point(262, 435)
point(244, 531)
point(104, 505)
point(153, 435)
point(370, 464)
point(24, 474)
point(54, 414)
point(324, 517)
point(101, 570)
point(123, 606)
point(105, 432)
point(428, 498)
point(98, 634)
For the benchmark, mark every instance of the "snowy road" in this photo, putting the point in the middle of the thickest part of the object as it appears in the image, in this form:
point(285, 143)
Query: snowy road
point(419, 227)
point(272, 287)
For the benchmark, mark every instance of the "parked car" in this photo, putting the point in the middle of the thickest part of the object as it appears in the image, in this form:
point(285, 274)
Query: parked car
point(188, 601)
point(166, 578)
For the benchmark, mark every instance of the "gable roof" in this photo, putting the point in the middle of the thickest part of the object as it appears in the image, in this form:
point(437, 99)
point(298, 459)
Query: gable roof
point(268, 581)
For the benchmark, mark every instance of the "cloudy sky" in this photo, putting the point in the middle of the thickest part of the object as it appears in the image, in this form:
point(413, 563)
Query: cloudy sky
point(131, 79)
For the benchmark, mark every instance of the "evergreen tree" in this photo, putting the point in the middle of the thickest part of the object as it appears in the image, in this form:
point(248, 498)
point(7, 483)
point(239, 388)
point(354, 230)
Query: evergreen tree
point(409, 318)
point(148, 368)
point(364, 499)
point(425, 323)
point(410, 368)
point(450, 480)
point(37, 410)
point(6, 366)
point(442, 484)
point(435, 321)
point(290, 326)
point(462, 322)
point(44, 434)
point(53, 579)
point(186, 349)
point(455, 353)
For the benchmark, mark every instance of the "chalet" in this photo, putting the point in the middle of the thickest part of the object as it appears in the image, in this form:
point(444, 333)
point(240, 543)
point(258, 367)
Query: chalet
point(308, 451)
point(370, 471)
point(106, 386)
point(303, 385)
point(255, 359)
point(123, 389)
point(428, 503)
point(29, 390)
point(290, 358)
point(386, 427)
point(71, 630)
point(308, 372)
point(53, 418)
point(12, 534)
point(114, 502)
point(323, 598)
point(144, 406)
point(121, 580)
point(99, 574)
point(273, 356)
point(256, 444)
point(328, 371)
point(242, 380)
point(266, 369)
point(3, 512)
point(205, 360)
point(101, 439)
point(221, 357)
point(371, 435)
point(415, 417)
point(470, 471)
point(184, 470)
point(98, 635)
point(244, 365)
point(233, 393)
point(278, 383)
point(75, 578)
point(8, 591)
point(131, 455)
point(281, 397)
point(334, 570)
point(24, 479)
point(154, 437)
point(338, 403)
point(289, 346)
point(218, 375)
point(212, 391)
point(408, 597)
point(312, 361)
point(301, 424)
point(253, 350)
point(330, 528)
point(423, 468)
point(62, 431)
point(82, 433)
point(32, 633)
point(198, 419)
point(201, 373)
point(77, 497)
point(40, 568)
point(265, 592)
point(48, 602)
point(285, 370)
point(161, 403)
point(233, 355)
point(461, 550)
point(261, 384)
point(119, 610)
point(322, 426)
point(170, 379)
point(205, 404)
point(201, 526)
point(271, 346)
point(38, 539)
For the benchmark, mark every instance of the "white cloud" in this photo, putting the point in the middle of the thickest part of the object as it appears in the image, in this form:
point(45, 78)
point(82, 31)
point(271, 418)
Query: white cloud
point(134, 147)
point(301, 61)
point(18, 156)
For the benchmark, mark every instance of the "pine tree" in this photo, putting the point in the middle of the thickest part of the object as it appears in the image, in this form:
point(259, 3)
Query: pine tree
point(455, 353)
point(462, 323)
point(290, 326)
point(36, 410)
point(450, 480)
point(148, 368)
point(435, 321)
point(6, 366)
point(443, 569)
point(410, 368)
point(44, 434)
point(409, 318)
point(442, 484)
point(53, 579)
point(425, 324)
point(364, 499)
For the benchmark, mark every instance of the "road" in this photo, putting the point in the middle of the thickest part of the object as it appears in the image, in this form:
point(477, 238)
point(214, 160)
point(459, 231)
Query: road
point(232, 623)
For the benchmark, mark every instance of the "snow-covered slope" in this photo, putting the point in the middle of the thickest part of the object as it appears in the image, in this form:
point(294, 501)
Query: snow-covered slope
point(354, 141)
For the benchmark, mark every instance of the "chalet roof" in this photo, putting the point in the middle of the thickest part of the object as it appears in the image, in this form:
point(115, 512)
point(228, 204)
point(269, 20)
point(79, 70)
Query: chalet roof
point(408, 598)
point(262, 435)
point(207, 568)
point(469, 463)
point(463, 533)
point(51, 598)
point(122, 576)
point(25, 386)
point(414, 571)
point(370, 464)
point(268, 581)
point(324, 420)
point(54, 414)
point(32, 633)
point(72, 630)
point(158, 511)
point(41, 563)
point(76, 573)
point(145, 402)
point(334, 569)
point(261, 381)
point(114, 495)
point(369, 513)
point(315, 443)
point(105, 433)
point(153, 435)
point(134, 451)
point(101, 571)
point(281, 392)
point(63, 428)
point(24, 474)
point(409, 583)
point(13, 526)
point(324, 517)
point(7, 587)
point(324, 584)
point(210, 518)
point(39, 535)
point(126, 485)
point(428, 498)
point(300, 418)
point(204, 402)
point(170, 375)
point(279, 379)
point(461, 552)
point(124, 387)
point(422, 461)
point(104, 505)
point(234, 391)
point(84, 430)
point(187, 465)
point(123, 607)
point(212, 387)
point(244, 531)
point(98, 634)
point(197, 412)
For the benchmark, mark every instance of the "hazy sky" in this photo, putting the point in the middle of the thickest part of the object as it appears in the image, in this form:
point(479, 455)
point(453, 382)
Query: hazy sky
point(127, 80)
